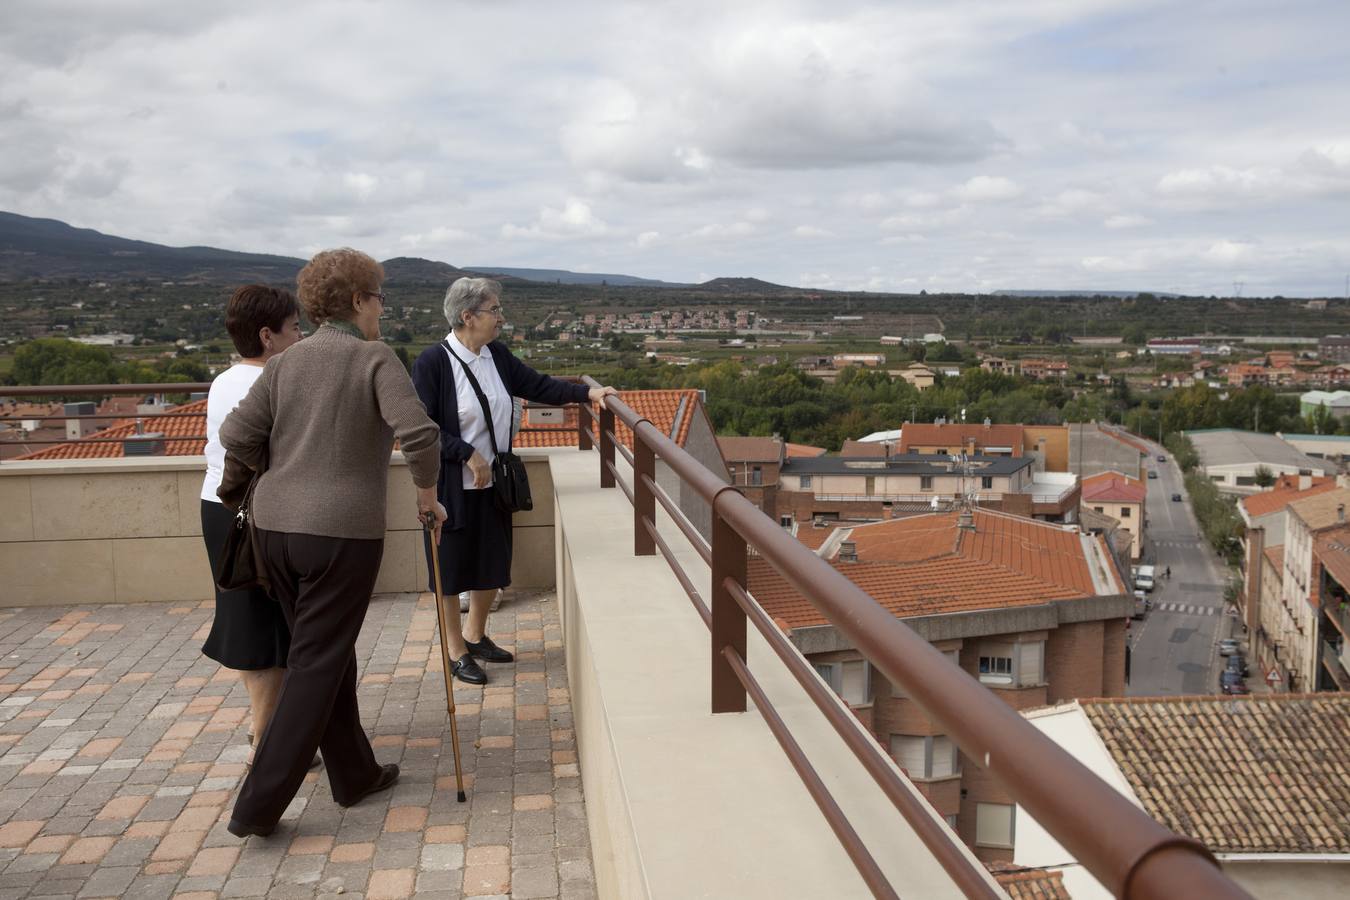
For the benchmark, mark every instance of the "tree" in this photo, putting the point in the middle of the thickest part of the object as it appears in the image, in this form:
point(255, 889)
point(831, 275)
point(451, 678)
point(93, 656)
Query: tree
point(1135, 334)
point(1264, 477)
point(59, 361)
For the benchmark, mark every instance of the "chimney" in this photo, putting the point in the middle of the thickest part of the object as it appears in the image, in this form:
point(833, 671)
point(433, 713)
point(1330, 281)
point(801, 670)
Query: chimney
point(144, 444)
point(1304, 482)
point(966, 521)
point(848, 551)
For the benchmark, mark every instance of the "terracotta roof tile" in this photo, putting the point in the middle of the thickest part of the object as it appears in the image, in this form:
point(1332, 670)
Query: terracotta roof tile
point(750, 449)
point(1284, 492)
point(1332, 548)
point(863, 449)
point(954, 435)
point(1029, 884)
point(804, 450)
point(924, 565)
point(1325, 510)
point(182, 437)
point(665, 410)
point(1264, 773)
point(1114, 487)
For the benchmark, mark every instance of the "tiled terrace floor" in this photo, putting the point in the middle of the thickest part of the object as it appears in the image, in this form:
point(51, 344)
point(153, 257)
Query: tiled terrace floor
point(121, 748)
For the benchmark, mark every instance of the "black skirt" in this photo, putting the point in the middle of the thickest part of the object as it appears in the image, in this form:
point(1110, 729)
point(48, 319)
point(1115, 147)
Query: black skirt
point(476, 557)
point(249, 631)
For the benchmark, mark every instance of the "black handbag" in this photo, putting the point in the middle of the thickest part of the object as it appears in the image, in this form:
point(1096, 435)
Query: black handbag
point(240, 562)
point(510, 484)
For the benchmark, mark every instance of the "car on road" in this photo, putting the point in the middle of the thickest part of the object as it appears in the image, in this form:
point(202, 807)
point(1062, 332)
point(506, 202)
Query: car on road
point(1237, 664)
point(1162, 458)
point(1232, 683)
point(1228, 647)
point(1176, 498)
point(1152, 473)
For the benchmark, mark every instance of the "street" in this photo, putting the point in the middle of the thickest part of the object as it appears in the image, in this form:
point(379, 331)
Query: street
point(1173, 649)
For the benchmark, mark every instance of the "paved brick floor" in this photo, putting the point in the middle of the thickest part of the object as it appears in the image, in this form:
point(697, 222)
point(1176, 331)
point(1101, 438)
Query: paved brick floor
point(121, 748)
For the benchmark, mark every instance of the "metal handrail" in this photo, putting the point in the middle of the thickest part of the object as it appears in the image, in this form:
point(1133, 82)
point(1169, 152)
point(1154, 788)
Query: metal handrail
point(1130, 853)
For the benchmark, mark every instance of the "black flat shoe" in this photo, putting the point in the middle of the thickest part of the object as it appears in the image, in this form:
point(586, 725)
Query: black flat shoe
point(239, 829)
point(488, 651)
point(468, 671)
point(388, 775)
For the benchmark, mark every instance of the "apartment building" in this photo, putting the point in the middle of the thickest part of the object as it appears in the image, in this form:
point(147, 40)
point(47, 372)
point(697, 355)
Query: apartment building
point(1122, 498)
point(1297, 621)
point(1036, 611)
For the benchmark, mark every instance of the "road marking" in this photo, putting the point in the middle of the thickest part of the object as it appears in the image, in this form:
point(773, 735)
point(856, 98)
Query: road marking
point(1190, 609)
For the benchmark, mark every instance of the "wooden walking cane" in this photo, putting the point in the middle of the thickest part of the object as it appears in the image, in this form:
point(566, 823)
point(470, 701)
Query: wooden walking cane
point(429, 524)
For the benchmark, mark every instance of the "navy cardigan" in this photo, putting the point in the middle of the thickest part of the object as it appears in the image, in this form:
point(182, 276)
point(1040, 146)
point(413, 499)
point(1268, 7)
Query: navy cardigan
point(435, 382)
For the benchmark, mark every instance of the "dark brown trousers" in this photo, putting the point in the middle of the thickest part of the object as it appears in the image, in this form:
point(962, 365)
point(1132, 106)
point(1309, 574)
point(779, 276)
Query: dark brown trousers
point(324, 586)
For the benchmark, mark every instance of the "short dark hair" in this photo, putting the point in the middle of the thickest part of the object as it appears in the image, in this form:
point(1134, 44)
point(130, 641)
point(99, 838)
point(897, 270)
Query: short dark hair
point(252, 308)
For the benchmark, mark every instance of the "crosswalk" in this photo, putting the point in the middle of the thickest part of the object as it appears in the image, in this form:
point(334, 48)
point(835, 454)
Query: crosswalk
point(1191, 543)
point(1190, 609)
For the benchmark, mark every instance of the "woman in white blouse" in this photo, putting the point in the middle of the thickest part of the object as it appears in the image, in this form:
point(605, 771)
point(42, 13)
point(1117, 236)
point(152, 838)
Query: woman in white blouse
point(248, 633)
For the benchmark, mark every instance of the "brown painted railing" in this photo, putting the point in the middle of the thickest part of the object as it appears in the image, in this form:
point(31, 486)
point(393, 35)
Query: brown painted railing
point(1128, 852)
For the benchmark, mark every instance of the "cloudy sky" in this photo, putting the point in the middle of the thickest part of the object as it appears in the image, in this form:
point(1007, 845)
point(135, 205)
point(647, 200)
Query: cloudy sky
point(973, 146)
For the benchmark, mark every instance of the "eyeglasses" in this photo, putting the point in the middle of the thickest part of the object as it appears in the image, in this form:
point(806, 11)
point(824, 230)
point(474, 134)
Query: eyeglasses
point(491, 310)
point(380, 294)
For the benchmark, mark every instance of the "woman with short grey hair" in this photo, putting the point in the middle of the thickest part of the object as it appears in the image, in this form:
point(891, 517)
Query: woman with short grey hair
point(475, 548)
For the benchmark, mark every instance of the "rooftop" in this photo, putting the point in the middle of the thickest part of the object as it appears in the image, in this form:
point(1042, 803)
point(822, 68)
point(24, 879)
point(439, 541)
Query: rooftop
point(1114, 487)
point(1324, 510)
point(908, 464)
point(1284, 492)
point(956, 434)
point(927, 565)
point(1022, 883)
point(183, 436)
point(1234, 447)
point(1263, 773)
point(1332, 548)
point(750, 449)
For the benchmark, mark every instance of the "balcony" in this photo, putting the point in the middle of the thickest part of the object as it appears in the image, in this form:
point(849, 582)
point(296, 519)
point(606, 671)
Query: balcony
point(683, 794)
point(1336, 662)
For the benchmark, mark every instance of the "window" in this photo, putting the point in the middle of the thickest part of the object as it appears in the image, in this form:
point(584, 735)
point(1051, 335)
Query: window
point(986, 482)
point(951, 822)
point(994, 824)
point(851, 679)
point(1100, 509)
point(803, 481)
point(757, 475)
point(924, 757)
point(785, 521)
point(925, 482)
point(1030, 663)
point(870, 485)
point(996, 669)
point(1124, 512)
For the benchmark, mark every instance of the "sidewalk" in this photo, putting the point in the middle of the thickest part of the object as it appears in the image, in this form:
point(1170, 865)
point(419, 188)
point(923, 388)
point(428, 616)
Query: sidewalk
point(121, 748)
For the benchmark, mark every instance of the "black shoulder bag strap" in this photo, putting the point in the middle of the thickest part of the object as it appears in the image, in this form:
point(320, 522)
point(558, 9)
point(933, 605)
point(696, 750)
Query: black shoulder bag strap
point(482, 400)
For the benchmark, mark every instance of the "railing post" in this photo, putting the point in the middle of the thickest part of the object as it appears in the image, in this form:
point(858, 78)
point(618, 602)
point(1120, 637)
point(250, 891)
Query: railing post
point(644, 498)
point(728, 619)
point(584, 417)
point(606, 447)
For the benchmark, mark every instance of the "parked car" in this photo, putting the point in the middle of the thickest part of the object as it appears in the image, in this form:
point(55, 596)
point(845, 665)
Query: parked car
point(1162, 458)
point(1152, 473)
point(1232, 683)
point(1176, 498)
point(1237, 664)
point(1228, 647)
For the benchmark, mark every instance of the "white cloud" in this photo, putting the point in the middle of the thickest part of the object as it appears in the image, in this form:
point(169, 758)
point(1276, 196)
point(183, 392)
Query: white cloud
point(1228, 251)
point(1126, 220)
point(989, 188)
point(648, 239)
point(720, 230)
point(811, 231)
point(574, 220)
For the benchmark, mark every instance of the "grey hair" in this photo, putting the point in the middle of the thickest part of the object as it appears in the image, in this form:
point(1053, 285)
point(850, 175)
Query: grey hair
point(467, 294)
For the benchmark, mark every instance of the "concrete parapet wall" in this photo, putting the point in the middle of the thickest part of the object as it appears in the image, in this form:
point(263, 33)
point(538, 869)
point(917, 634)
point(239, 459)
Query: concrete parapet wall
point(129, 531)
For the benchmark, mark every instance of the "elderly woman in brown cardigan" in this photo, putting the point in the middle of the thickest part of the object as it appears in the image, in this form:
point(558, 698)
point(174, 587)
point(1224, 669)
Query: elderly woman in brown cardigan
point(322, 419)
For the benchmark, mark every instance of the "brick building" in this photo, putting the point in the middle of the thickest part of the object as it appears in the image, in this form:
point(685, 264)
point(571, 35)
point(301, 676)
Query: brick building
point(1036, 611)
point(1123, 499)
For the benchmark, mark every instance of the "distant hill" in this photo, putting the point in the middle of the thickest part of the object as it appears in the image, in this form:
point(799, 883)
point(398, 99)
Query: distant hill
point(744, 286)
point(563, 276)
point(46, 248)
point(1123, 295)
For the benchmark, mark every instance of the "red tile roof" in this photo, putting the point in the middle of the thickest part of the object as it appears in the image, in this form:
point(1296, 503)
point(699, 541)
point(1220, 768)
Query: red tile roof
point(750, 449)
point(1263, 773)
point(1332, 548)
point(1284, 492)
point(863, 449)
point(661, 408)
point(182, 436)
point(799, 450)
point(1113, 487)
point(954, 436)
point(1029, 884)
point(924, 565)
